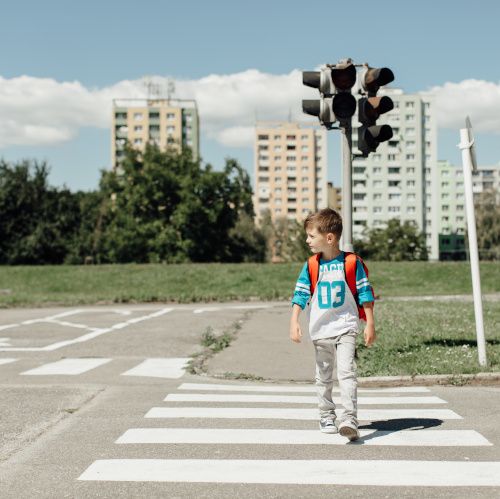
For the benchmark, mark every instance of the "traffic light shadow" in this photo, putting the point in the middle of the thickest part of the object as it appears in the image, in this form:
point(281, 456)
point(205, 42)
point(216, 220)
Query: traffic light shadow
point(453, 342)
point(395, 425)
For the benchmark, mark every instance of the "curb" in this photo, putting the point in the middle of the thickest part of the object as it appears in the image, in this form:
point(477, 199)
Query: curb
point(433, 379)
point(478, 379)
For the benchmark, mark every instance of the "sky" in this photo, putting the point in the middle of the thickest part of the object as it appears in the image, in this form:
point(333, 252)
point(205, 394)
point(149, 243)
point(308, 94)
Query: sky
point(62, 63)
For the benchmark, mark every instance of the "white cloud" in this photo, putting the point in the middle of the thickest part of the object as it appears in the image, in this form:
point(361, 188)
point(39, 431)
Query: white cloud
point(478, 99)
point(44, 111)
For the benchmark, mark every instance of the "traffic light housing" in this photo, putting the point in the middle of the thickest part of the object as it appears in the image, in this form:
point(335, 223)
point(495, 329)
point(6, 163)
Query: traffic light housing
point(370, 135)
point(334, 84)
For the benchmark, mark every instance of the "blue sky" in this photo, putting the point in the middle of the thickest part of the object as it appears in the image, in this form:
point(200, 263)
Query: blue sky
point(95, 46)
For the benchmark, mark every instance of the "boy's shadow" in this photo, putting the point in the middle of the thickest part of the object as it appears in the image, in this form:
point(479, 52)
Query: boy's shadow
point(394, 425)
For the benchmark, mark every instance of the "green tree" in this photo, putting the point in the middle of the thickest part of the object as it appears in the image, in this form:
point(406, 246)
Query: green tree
point(487, 212)
point(166, 206)
point(396, 242)
point(37, 222)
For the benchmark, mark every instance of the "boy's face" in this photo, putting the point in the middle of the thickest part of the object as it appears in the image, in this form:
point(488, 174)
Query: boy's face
point(318, 242)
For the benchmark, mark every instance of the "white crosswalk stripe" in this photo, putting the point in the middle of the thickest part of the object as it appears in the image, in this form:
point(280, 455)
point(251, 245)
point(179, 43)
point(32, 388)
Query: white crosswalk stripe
point(167, 368)
point(292, 413)
point(292, 388)
point(69, 367)
point(438, 438)
point(325, 472)
point(160, 368)
point(294, 399)
point(417, 430)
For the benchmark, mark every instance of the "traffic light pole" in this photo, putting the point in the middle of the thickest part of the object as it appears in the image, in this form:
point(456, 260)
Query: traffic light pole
point(346, 148)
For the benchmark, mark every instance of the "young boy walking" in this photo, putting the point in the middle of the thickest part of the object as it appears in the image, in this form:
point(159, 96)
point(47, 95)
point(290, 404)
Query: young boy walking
point(333, 320)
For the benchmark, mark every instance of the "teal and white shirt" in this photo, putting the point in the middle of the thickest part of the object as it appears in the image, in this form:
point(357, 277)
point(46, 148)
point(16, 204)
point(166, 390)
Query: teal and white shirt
point(332, 308)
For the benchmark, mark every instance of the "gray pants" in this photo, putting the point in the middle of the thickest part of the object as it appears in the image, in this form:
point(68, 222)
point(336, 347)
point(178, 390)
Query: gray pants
point(330, 351)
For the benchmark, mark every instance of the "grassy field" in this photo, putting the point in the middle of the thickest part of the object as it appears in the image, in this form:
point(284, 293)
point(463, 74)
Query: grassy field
point(72, 285)
point(429, 338)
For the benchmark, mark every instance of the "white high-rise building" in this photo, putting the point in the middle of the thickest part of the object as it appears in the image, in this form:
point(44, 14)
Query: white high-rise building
point(450, 217)
point(400, 180)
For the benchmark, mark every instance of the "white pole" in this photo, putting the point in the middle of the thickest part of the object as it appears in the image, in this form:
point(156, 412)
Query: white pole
point(346, 146)
point(465, 146)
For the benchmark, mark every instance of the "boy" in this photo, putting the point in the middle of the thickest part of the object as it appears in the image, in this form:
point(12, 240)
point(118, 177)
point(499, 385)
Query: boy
point(333, 320)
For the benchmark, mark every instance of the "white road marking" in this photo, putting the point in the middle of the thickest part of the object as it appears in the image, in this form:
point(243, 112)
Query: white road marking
point(310, 471)
point(294, 413)
point(234, 307)
point(8, 326)
point(160, 368)
point(7, 361)
point(5, 342)
point(293, 399)
point(67, 367)
point(292, 388)
point(94, 333)
point(433, 438)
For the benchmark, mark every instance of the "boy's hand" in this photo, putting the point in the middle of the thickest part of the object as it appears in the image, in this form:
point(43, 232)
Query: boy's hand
point(295, 332)
point(369, 334)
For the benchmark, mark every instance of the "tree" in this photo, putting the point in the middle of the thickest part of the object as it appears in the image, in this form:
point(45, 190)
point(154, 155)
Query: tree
point(37, 222)
point(166, 206)
point(487, 211)
point(286, 239)
point(395, 242)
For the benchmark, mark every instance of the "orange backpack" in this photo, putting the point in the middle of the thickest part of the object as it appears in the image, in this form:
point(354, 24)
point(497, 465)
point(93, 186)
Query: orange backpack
point(350, 276)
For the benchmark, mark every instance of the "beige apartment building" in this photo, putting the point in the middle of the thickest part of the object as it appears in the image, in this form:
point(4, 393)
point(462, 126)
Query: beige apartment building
point(168, 123)
point(290, 169)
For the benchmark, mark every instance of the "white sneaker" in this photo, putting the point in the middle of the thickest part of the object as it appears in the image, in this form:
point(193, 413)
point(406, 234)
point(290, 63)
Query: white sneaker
point(327, 425)
point(349, 429)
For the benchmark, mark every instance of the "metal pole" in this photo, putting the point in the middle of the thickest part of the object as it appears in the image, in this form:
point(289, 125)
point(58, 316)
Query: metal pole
point(465, 145)
point(347, 186)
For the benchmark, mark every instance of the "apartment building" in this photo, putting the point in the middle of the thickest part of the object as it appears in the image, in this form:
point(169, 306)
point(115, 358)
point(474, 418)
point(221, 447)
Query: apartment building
point(290, 169)
point(450, 217)
point(400, 180)
point(168, 123)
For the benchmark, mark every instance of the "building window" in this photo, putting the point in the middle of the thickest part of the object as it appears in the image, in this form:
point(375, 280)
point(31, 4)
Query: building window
point(170, 129)
point(263, 147)
point(138, 128)
point(410, 105)
point(410, 117)
point(394, 183)
point(277, 137)
point(277, 148)
point(377, 170)
point(377, 183)
point(394, 170)
point(138, 116)
point(290, 137)
point(410, 157)
point(304, 158)
point(290, 148)
point(137, 142)
point(304, 137)
point(393, 209)
point(277, 158)
point(410, 170)
point(121, 116)
point(391, 157)
point(377, 209)
point(377, 196)
point(291, 158)
point(170, 116)
point(263, 137)
point(410, 183)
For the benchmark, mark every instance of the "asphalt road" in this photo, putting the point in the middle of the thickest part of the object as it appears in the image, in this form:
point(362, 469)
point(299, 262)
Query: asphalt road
point(95, 403)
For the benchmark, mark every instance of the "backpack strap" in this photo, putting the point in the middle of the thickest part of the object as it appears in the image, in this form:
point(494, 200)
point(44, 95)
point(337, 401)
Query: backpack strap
point(350, 263)
point(350, 272)
point(313, 268)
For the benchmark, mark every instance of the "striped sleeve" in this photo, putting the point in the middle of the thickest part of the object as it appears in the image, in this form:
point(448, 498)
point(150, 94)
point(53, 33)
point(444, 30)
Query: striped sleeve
point(302, 288)
point(363, 285)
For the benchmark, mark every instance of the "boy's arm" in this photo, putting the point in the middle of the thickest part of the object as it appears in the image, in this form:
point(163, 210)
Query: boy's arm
point(366, 299)
point(369, 332)
point(295, 330)
point(300, 298)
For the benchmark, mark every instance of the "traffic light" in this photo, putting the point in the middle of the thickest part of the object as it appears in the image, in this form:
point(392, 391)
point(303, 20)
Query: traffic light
point(334, 84)
point(370, 135)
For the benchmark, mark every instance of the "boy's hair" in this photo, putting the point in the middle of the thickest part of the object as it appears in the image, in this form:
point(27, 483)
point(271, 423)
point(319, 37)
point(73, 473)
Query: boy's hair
point(325, 221)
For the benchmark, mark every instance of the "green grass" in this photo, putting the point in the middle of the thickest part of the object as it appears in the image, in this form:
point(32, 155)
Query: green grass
point(184, 283)
point(429, 338)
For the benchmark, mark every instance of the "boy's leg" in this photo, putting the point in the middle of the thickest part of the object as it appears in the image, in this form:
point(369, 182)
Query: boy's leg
point(325, 358)
point(346, 374)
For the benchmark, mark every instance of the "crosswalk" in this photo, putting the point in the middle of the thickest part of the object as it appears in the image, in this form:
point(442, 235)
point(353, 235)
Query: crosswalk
point(229, 415)
point(167, 368)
